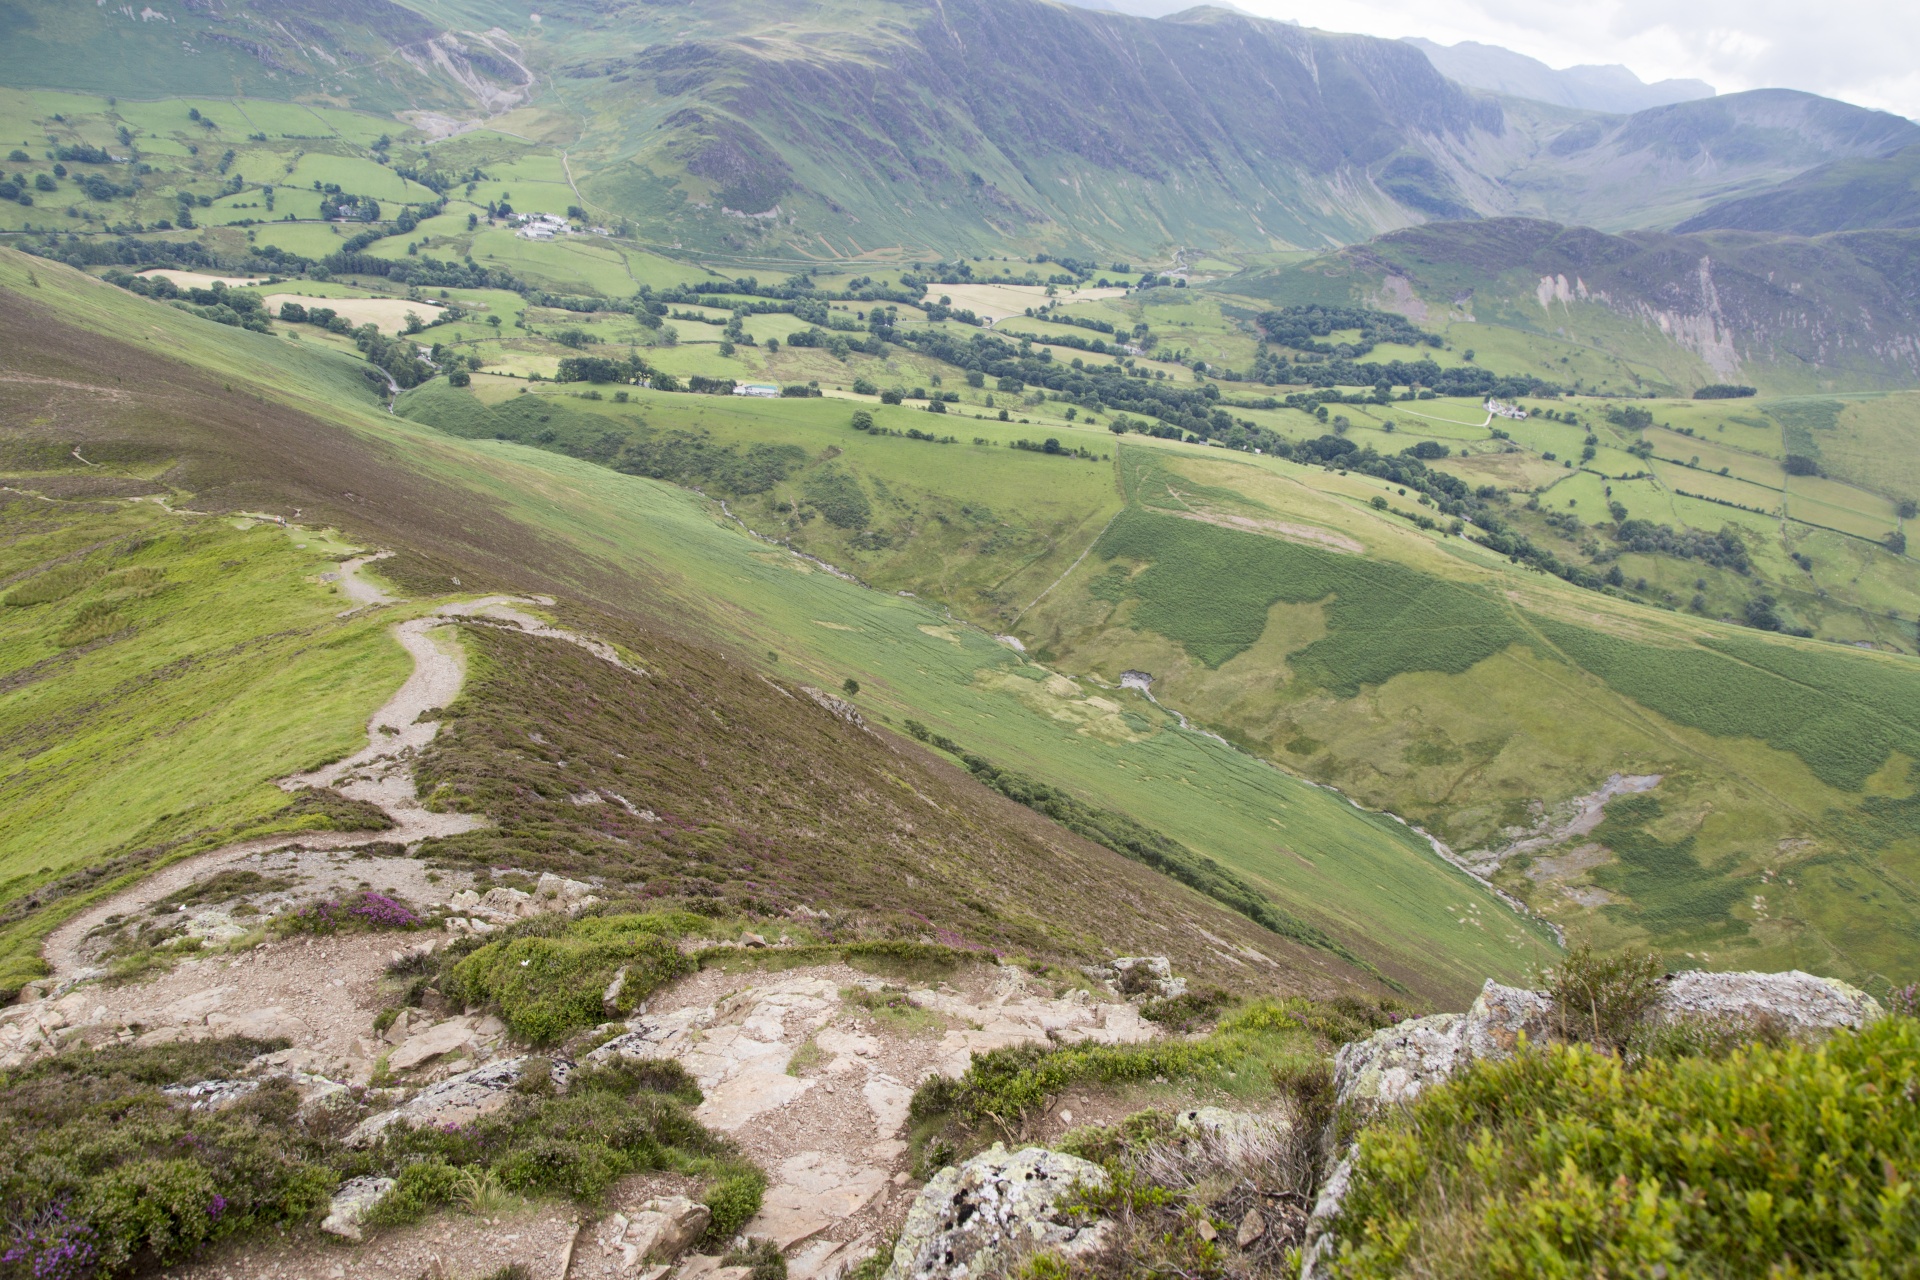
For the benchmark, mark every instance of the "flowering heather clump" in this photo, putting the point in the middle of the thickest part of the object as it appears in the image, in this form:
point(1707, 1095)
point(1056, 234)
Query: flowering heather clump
point(1905, 1001)
point(383, 912)
point(359, 911)
point(53, 1246)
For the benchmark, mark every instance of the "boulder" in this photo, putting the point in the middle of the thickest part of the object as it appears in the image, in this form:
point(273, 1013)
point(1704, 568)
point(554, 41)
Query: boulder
point(659, 1230)
point(972, 1217)
point(1148, 975)
point(1801, 1004)
point(352, 1203)
point(503, 903)
point(558, 889)
point(452, 1036)
point(456, 1100)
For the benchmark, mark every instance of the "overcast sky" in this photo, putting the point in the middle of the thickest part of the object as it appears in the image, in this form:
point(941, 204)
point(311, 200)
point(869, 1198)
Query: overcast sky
point(1861, 51)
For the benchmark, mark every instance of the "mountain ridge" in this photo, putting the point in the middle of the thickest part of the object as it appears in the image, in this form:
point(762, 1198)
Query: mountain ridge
point(1607, 88)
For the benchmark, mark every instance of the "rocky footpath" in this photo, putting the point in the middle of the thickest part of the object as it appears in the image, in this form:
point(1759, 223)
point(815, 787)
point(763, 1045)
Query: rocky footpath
point(809, 1069)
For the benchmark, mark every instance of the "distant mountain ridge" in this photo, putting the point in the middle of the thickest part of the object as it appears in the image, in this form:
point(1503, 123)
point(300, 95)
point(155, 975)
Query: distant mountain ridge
point(936, 128)
point(1613, 89)
point(1790, 314)
point(1847, 195)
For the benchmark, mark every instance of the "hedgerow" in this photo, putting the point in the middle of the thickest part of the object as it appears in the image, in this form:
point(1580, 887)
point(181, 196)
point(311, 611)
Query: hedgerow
point(1774, 1161)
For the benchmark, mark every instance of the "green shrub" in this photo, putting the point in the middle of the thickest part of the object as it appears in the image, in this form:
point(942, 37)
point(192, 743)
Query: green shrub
point(733, 1199)
point(419, 1188)
point(1604, 999)
point(1005, 1087)
point(54, 584)
point(838, 496)
point(1776, 1161)
point(762, 1257)
point(547, 986)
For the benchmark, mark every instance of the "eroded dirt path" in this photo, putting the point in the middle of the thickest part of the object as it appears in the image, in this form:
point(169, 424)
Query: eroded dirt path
point(380, 773)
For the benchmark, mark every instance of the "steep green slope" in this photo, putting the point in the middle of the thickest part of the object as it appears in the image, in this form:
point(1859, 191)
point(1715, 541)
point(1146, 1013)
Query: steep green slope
point(1657, 167)
point(1274, 604)
point(649, 555)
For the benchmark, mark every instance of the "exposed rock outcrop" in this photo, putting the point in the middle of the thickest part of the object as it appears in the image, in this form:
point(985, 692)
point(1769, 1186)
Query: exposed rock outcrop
point(1395, 1065)
point(973, 1216)
point(356, 1199)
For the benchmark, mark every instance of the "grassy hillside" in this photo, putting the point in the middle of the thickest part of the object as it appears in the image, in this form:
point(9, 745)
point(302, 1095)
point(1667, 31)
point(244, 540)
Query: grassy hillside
point(635, 548)
point(1425, 676)
point(1407, 675)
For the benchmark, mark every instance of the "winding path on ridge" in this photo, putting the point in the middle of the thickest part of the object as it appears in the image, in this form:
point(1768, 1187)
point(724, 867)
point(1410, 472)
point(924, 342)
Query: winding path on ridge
point(380, 773)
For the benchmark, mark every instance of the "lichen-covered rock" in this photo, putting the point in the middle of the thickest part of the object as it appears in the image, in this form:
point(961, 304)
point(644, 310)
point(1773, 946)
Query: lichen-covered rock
point(210, 1095)
point(972, 1217)
point(352, 1203)
point(1394, 1065)
point(1798, 1003)
point(459, 1099)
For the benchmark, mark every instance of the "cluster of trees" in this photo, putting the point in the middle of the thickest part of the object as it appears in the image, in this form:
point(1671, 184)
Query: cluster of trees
point(1052, 446)
point(1724, 391)
point(322, 317)
point(1078, 322)
point(1099, 387)
point(1415, 375)
point(1724, 549)
point(1302, 329)
point(399, 358)
point(610, 369)
point(422, 272)
point(219, 304)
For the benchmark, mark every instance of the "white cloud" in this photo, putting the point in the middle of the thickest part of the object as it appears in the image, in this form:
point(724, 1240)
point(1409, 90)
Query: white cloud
point(1860, 51)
